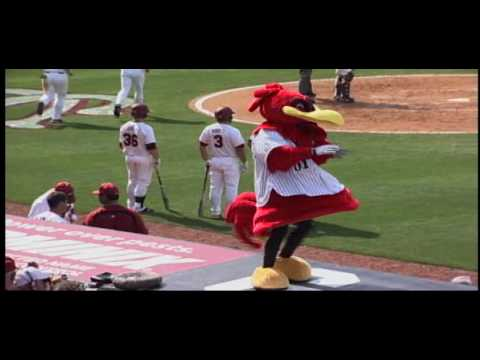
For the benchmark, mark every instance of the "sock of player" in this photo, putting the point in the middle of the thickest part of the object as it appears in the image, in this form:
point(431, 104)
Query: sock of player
point(139, 200)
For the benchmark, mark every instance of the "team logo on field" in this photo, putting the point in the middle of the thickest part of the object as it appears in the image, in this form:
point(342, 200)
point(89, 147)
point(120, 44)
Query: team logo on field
point(79, 104)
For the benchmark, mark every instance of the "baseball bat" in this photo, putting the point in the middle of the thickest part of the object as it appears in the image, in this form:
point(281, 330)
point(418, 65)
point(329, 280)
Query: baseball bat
point(205, 178)
point(162, 190)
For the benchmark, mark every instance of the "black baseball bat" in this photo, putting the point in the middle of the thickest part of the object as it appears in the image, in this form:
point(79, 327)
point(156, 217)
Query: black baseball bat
point(205, 178)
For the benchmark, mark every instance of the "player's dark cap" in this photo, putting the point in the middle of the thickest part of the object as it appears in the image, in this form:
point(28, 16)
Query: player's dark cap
point(223, 113)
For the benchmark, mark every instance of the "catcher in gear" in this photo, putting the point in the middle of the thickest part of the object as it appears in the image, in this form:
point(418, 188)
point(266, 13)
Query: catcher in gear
point(342, 85)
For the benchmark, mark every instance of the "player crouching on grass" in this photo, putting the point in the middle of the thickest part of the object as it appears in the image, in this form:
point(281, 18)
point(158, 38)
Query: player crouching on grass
point(139, 146)
point(112, 215)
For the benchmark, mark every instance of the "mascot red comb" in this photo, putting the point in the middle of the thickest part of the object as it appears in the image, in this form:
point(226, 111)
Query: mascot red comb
point(290, 186)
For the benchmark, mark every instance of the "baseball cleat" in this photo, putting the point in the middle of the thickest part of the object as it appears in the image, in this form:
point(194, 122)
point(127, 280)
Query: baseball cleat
point(117, 111)
point(40, 108)
point(348, 100)
point(58, 123)
point(145, 210)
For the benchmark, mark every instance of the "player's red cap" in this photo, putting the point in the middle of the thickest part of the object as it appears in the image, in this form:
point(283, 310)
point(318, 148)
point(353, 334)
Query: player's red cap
point(65, 187)
point(107, 189)
point(9, 264)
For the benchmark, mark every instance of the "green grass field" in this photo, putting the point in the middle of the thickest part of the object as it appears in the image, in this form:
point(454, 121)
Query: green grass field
point(418, 192)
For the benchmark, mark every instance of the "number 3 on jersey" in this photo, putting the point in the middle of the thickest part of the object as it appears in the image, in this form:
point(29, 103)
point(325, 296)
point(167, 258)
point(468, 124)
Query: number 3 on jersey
point(130, 140)
point(219, 141)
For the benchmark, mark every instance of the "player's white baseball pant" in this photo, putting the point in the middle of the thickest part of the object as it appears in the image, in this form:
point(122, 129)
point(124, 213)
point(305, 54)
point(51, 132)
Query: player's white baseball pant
point(224, 176)
point(140, 171)
point(57, 88)
point(136, 77)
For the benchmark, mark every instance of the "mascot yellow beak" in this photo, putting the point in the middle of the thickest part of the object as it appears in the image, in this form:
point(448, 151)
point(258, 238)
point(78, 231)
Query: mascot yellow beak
point(319, 115)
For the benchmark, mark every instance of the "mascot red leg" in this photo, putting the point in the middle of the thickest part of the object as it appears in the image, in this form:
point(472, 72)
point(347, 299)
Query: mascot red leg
point(291, 188)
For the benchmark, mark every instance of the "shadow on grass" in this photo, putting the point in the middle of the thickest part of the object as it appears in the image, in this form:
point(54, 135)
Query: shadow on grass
point(174, 121)
point(324, 229)
point(195, 222)
point(83, 126)
point(319, 228)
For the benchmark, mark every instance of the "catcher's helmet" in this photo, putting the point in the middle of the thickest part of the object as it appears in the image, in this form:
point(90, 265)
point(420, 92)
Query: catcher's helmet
point(224, 113)
point(140, 111)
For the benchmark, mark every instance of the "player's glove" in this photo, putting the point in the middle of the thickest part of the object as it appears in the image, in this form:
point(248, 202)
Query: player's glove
point(326, 150)
point(243, 167)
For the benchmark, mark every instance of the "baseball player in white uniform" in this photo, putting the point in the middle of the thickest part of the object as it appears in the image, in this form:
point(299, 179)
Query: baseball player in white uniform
point(55, 87)
point(342, 85)
point(221, 147)
point(40, 205)
point(138, 144)
point(57, 203)
point(129, 77)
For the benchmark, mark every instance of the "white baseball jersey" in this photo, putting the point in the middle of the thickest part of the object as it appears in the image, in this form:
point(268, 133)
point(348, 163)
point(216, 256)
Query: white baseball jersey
point(40, 205)
point(222, 139)
point(343, 72)
point(134, 137)
point(305, 178)
point(50, 216)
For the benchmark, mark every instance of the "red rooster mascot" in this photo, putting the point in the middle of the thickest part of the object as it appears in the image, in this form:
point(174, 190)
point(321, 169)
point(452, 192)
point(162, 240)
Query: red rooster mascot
point(290, 186)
